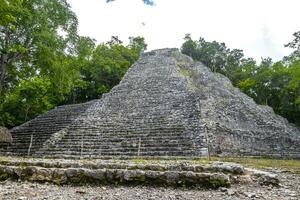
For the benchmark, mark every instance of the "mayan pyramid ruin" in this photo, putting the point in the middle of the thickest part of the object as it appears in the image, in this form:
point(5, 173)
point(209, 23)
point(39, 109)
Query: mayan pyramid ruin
point(166, 105)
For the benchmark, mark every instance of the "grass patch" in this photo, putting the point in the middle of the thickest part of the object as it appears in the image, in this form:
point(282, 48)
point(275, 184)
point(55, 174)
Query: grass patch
point(143, 161)
point(3, 159)
point(292, 166)
point(185, 72)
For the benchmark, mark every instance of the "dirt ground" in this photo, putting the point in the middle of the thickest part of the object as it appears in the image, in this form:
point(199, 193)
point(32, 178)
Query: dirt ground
point(289, 189)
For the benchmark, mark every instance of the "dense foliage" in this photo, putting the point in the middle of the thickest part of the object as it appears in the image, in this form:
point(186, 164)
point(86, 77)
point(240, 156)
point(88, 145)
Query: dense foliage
point(44, 63)
point(274, 84)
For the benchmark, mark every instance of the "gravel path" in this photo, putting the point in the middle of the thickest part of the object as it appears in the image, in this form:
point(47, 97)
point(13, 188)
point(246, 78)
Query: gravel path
point(289, 189)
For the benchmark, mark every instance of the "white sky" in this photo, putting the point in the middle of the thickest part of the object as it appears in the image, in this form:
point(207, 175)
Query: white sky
point(259, 27)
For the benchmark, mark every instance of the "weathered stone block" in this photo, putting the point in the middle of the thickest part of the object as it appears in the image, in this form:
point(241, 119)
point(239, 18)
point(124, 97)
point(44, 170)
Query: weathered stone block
point(5, 135)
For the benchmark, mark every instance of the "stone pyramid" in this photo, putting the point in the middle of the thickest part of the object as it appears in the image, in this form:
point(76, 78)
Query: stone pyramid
point(166, 105)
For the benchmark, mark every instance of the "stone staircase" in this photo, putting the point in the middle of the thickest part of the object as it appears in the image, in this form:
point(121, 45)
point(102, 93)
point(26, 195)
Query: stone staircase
point(150, 113)
point(29, 137)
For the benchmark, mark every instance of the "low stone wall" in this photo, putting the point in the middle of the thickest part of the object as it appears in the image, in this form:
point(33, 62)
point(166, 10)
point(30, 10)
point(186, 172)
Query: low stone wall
point(99, 172)
point(114, 176)
point(216, 167)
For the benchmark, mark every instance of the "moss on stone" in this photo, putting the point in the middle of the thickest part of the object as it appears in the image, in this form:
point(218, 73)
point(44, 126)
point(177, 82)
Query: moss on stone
point(185, 72)
point(79, 179)
point(5, 159)
point(216, 183)
point(22, 165)
point(140, 179)
point(4, 175)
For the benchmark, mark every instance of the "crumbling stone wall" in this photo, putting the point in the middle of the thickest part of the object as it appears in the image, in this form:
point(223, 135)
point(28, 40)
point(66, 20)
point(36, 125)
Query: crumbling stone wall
point(236, 125)
point(5, 135)
point(5, 138)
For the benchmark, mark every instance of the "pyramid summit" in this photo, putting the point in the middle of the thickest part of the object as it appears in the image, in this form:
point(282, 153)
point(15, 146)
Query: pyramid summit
point(166, 105)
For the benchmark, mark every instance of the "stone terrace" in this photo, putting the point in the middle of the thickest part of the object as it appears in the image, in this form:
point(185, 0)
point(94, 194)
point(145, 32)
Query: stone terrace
point(163, 172)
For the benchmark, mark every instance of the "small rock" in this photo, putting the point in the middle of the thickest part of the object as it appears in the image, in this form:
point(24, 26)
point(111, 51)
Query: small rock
point(292, 194)
point(5, 193)
point(80, 192)
point(223, 189)
point(287, 191)
point(264, 178)
point(251, 195)
point(230, 192)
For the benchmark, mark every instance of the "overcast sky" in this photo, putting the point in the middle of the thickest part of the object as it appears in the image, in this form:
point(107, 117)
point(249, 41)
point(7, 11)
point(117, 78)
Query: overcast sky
point(259, 27)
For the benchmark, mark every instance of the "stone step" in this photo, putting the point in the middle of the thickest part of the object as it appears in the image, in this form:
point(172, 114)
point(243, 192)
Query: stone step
point(123, 137)
point(105, 130)
point(43, 126)
point(120, 148)
point(108, 175)
point(145, 142)
point(109, 143)
point(95, 138)
point(66, 149)
point(116, 153)
point(119, 132)
point(158, 164)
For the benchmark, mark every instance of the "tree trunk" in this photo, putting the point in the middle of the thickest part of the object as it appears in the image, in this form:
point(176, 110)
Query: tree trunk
point(26, 113)
point(3, 68)
point(5, 61)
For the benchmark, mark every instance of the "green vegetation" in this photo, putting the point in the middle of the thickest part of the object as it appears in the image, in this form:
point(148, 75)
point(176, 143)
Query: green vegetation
point(3, 159)
point(216, 184)
point(185, 72)
point(4, 175)
point(79, 179)
point(291, 166)
point(45, 63)
point(274, 84)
